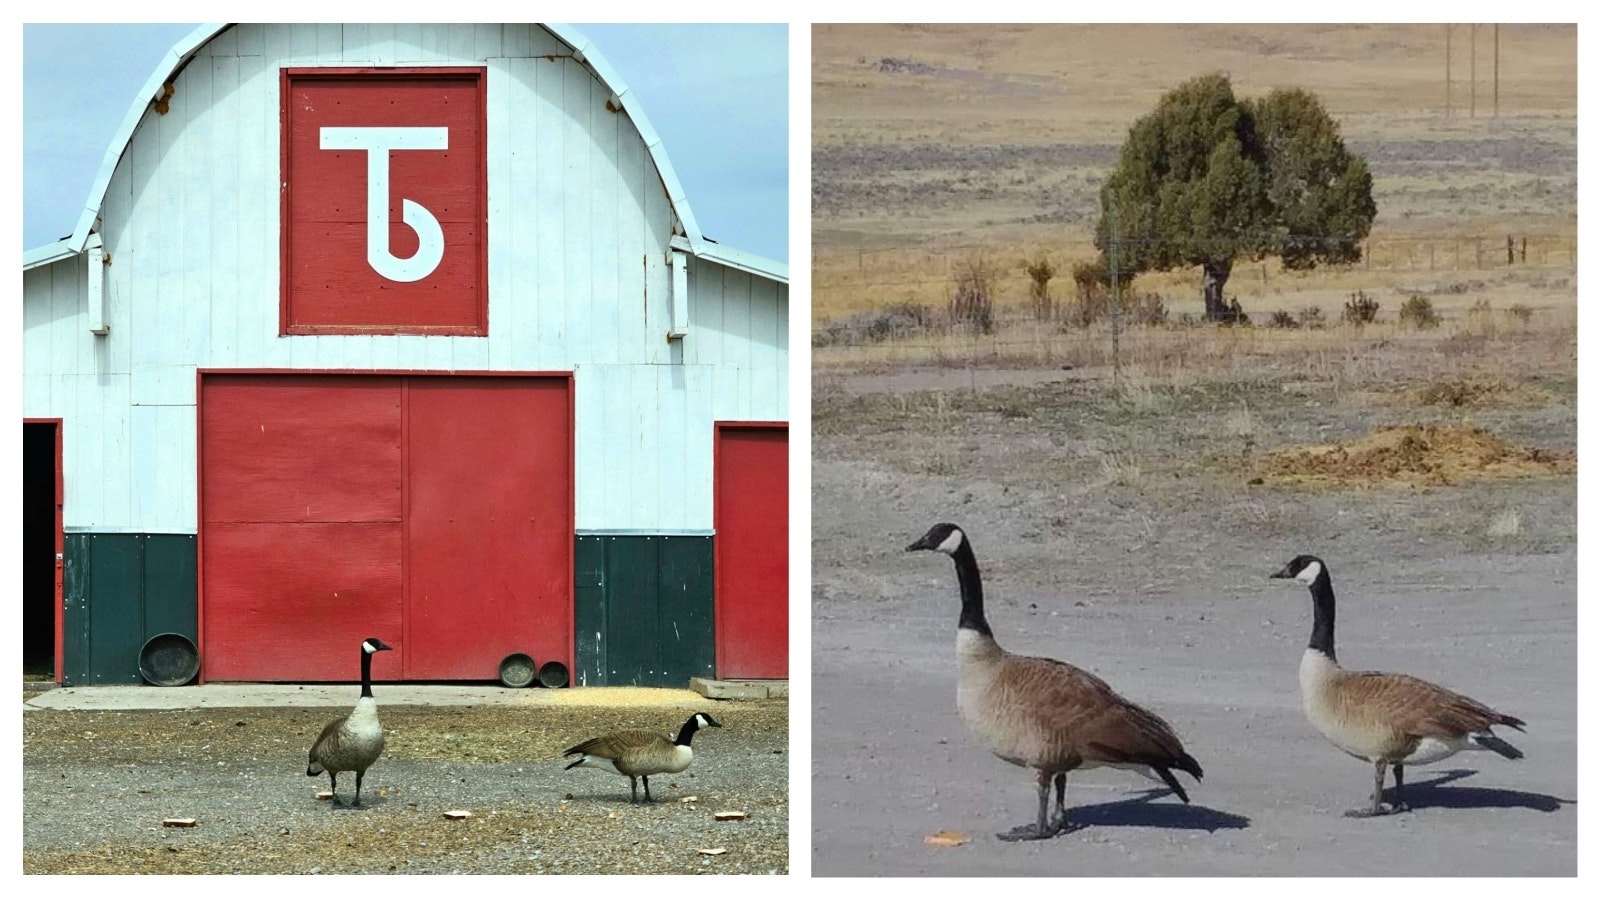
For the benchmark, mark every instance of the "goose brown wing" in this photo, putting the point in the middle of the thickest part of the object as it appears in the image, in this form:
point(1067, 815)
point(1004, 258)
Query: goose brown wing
point(1416, 707)
point(612, 746)
point(328, 739)
point(1088, 719)
point(1137, 735)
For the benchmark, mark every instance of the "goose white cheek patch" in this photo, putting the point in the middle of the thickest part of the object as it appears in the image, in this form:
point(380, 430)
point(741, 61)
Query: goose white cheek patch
point(1309, 573)
point(368, 647)
point(949, 544)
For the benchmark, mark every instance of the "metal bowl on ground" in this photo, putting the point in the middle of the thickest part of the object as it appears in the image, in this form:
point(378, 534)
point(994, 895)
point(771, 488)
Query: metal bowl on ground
point(169, 660)
point(553, 675)
point(517, 670)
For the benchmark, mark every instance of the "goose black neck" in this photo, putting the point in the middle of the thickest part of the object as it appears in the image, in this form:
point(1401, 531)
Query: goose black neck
point(686, 733)
point(366, 673)
point(1322, 621)
point(971, 591)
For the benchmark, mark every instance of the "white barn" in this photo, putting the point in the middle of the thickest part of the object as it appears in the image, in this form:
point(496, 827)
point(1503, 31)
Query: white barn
point(564, 439)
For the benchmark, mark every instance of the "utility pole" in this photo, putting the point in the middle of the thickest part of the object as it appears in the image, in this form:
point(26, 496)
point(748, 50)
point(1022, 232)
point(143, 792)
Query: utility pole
point(1497, 71)
point(1447, 109)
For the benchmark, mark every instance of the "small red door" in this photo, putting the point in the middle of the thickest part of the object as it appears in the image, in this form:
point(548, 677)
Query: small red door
point(752, 550)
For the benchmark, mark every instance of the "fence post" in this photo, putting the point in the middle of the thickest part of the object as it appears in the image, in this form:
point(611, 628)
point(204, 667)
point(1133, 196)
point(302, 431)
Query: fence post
point(1116, 299)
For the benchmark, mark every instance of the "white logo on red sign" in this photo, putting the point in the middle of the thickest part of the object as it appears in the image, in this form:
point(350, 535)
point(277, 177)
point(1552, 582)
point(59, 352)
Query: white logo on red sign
point(378, 143)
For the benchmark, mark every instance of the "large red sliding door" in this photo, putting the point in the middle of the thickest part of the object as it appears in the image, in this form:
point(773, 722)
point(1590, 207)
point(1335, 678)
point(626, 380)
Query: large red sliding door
point(752, 550)
point(433, 512)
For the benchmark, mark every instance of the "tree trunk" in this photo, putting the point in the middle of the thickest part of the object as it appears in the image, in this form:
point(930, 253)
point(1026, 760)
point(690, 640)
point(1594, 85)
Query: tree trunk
point(1216, 276)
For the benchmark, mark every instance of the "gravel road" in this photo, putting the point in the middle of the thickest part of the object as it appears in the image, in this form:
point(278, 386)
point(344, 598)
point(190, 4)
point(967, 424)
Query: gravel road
point(97, 786)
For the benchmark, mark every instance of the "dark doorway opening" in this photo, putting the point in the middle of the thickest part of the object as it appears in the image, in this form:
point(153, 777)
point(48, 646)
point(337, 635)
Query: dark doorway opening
point(41, 541)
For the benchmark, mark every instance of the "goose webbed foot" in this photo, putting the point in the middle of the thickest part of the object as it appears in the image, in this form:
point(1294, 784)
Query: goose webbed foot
point(1382, 809)
point(1033, 832)
point(1378, 807)
point(1042, 827)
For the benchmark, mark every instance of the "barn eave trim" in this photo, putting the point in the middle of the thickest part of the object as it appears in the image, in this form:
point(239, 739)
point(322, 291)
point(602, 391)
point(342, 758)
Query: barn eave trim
point(584, 52)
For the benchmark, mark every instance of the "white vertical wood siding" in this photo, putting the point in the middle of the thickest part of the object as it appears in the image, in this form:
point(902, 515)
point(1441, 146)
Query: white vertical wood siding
point(579, 230)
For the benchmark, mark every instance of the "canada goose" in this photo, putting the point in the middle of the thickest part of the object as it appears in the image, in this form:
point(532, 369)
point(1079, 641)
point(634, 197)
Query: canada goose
point(1383, 718)
point(353, 742)
point(1044, 714)
point(640, 754)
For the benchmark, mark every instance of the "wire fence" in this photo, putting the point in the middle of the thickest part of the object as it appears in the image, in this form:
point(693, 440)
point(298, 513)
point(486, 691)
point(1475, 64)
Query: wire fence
point(926, 274)
point(968, 302)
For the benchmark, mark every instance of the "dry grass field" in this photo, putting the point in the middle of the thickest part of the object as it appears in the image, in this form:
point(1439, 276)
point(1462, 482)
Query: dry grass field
point(1127, 508)
point(932, 143)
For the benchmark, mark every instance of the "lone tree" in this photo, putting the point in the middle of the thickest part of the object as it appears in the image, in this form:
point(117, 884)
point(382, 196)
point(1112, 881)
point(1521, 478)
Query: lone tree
point(1207, 178)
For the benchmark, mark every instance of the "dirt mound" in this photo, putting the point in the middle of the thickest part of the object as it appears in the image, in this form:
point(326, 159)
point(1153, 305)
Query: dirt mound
point(1473, 392)
point(1415, 455)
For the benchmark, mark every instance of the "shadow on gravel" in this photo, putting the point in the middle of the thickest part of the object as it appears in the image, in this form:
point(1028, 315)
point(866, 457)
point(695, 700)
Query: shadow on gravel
point(367, 803)
point(1139, 812)
point(1433, 792)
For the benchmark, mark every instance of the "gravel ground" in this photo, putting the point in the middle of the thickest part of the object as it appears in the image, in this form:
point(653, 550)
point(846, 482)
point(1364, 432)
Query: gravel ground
point(97, 785)
point(1124, 537)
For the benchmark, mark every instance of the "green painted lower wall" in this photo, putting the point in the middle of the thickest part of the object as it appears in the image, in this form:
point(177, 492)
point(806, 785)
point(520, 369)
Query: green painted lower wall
point(643, 606)
point(118, 591)
point(643, 610)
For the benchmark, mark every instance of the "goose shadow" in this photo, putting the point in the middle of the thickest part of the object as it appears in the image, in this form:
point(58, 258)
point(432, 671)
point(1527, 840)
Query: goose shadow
point(1436, 792)
point(1139, 812)
point(367, 803)
point(599, 796)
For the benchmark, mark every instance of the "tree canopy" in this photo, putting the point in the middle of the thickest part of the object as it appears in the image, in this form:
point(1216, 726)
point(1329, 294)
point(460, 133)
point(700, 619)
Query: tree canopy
point(1207, 178)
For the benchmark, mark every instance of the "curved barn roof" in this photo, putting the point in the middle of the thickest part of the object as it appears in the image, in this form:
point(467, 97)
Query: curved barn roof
point(583, 51)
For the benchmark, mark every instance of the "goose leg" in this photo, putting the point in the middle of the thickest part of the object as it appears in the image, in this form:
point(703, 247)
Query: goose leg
point(633, 785)
point(1377, 808)
point(358, 789)
point(1041, 829)
point(334, 781)
point(1061, 801)
point(647, 797)
point(1400, 804)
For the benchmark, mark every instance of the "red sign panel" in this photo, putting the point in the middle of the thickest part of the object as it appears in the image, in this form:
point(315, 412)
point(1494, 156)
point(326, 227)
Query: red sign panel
point(384, 202)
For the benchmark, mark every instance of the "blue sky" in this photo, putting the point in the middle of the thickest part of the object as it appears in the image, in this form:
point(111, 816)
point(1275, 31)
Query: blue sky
point(717, 94)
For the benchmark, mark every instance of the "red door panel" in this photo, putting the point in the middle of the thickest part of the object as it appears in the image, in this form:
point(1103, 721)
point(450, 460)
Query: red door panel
point(752, 551)
point(293, 602)
point(488, 525)
point(301, 505)
point(301, 449)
